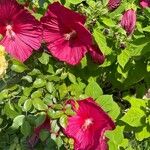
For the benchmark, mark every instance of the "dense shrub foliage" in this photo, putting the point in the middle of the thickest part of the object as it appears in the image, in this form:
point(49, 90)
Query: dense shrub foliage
point(34, 89)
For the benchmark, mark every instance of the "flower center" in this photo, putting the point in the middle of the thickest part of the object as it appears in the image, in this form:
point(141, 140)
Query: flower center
point(9, 32)
point(71, 35)
point(87, 123)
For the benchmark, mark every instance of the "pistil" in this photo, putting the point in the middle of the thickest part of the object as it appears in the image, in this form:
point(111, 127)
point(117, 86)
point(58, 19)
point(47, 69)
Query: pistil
point(71, 35)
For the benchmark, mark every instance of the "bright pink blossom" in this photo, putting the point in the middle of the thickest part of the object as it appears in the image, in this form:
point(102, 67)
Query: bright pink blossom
point(88, 126)
point(44, 126)
point(21, 31)
point(128, 21)
point(113, 4)
point(67, 38)
point(145, 3)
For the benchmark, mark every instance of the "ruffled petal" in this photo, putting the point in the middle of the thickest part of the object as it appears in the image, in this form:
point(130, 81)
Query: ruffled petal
point(96, 54)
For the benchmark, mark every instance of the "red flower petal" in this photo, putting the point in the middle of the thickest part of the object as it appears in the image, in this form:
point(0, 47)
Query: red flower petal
point(64, 14)
point(21, 31)
point(96, 54)
point(86, 128)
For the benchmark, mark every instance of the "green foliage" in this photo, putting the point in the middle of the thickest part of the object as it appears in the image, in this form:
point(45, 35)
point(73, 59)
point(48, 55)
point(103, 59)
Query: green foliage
point(39, 88)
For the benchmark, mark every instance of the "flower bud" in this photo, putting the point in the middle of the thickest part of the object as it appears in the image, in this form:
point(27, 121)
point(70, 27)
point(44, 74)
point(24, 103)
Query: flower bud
point(128, 21)
point(145, 3)
point(113, 4)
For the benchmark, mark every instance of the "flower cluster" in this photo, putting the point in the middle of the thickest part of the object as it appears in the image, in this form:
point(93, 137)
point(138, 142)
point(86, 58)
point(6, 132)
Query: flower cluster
point(68, 40)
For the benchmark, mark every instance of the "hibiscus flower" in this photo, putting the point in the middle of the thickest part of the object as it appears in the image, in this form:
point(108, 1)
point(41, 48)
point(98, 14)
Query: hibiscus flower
point(20, 30)
point(64, 32)
point(128, 21)
point(88, 126)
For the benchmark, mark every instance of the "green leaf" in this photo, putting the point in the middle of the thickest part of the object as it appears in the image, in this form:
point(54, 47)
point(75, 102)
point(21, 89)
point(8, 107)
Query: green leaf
point(9, 111)
point(72, 78)
point(116, 138)
point(27, 105)
point(44, 59)
point(40, 119)
point(63, 121)
point(63, 90)
point(109, 22)
point(50, 87)
point(93, 90)
point(55, 114)
point(39, 83)
point(18, 121)
point(147, 29)
point(27, 78)
point(133, 117)
point(75, 1)
point(101, 41)
point(109, 105)
point(39, 104)
point(37, 94)
point(26, 128)
point(143, 134)
point(18, 66)
point(123, 58)
point(44, 135)
point(27, 91)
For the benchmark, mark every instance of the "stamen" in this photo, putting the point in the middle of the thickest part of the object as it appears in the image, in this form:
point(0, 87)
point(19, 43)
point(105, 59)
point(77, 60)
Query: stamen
point(70, 35)
point(87, 123)
point(9, 32)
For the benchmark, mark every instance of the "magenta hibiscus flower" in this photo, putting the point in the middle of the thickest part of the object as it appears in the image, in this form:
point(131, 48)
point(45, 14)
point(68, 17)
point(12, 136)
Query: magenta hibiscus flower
point(21, 31)
point(68, 40)
point(145, 3)
point(44, 126)
point(128, 21)
point(113, 4)
point(88, 126)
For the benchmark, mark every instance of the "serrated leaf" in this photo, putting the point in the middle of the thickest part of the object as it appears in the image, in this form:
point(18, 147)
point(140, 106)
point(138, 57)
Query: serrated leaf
point(143, 133)
point(93, 90)
point(123, 58)
point(116, 138)
point(133, 117)
point(101, 41)
point(109, 105)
